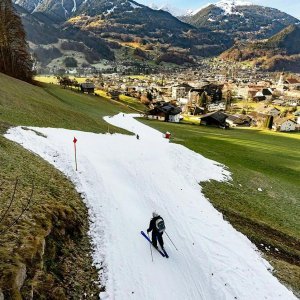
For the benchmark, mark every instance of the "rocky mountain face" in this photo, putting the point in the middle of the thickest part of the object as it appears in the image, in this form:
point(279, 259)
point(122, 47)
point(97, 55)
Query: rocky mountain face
point(278, 53)
point(29, 5)
point(125, 30)
point(240, 19)
point(116, 29)
point(48, 41)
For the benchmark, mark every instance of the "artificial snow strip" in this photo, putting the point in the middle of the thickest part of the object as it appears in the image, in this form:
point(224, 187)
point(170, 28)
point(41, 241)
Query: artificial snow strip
point(123, 179)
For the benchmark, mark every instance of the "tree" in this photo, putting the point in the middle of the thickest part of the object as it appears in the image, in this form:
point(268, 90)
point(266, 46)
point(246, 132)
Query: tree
point(269, 122)
point(149, 96)
point(15, 59)
point(70, 62)
point(228, 100)
point(203, 100)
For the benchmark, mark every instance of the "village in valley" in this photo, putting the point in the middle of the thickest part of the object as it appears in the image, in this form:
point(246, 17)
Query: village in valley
point(215, 94)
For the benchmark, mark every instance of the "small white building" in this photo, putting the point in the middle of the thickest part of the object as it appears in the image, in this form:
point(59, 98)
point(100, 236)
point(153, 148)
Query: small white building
point(175, 118)
point(284, 124)
point(183, 101)
point(298, 124)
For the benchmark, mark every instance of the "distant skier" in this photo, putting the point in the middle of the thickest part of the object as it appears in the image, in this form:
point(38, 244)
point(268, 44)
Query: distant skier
point(157, 226)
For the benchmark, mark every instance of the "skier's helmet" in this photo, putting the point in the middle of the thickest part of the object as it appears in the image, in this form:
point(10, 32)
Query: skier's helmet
point(155, 214)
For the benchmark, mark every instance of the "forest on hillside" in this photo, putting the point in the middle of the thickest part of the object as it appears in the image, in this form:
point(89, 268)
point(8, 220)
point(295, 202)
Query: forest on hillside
point(15, 59)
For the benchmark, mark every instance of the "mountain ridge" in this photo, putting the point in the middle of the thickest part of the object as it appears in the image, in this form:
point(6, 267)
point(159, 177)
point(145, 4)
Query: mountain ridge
point(240, 19)
point(117, 25)
point(280, 52)
point(119, 29)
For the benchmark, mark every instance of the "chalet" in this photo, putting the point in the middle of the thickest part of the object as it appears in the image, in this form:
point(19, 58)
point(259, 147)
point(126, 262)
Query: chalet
point(216, 118)
point(264, 94)
point(252, 90)
point(271, 111)
point(238, 120)
point(87, 87)
point(165, 110)
point(292, 81)
point(284, 124)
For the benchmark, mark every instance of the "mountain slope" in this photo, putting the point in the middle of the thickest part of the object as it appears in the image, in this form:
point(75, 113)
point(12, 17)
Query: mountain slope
point(112, 28)
point(48, 41)
point(241, 19)
point(288, 40)
point(280, 52)
point(38, 31)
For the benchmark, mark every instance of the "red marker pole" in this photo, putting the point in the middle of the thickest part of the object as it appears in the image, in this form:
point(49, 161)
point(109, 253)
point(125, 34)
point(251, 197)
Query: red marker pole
point(74, 141)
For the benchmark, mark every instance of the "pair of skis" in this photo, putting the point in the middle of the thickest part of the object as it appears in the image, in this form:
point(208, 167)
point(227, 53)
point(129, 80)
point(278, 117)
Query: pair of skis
point(162, 252)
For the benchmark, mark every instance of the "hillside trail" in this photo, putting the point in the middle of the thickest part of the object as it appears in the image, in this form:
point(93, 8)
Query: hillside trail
point(122, 180)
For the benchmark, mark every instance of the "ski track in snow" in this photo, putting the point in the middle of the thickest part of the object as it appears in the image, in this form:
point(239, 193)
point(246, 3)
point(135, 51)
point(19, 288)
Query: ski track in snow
point(122, 181)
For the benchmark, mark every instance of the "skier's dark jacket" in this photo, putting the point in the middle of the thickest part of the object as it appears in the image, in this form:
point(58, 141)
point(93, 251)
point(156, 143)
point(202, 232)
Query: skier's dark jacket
point(152, 225)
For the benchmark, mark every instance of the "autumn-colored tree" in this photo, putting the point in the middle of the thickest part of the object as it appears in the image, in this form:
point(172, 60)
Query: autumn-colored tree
point(15, 59)
point(203, 100)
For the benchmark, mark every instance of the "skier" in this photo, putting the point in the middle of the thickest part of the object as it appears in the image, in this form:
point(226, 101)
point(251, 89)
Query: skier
point(157, 226)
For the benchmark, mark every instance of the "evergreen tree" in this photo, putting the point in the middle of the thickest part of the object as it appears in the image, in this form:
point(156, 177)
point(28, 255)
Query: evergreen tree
point(14, 56)
point(149, 96)
point(70, 62)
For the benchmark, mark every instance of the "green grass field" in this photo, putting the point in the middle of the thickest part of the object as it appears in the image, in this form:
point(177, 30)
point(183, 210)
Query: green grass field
point(53, 79)
point(257, 160)
point(52, 106)
point(130, 102)
point(57, 216)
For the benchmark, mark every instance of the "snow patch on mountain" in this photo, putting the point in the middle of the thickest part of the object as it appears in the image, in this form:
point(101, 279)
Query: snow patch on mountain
point(229, 6)
point(75, 6)
point(28, 5)
point(135, 5)
point(65, 10)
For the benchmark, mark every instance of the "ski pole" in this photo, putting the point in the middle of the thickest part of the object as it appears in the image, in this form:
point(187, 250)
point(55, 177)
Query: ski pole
point(150, 247)
point(171, 240)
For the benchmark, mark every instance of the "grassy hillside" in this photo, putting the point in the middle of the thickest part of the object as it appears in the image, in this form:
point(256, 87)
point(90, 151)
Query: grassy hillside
point(49, 244)
point(258, 160)
point(52, 106)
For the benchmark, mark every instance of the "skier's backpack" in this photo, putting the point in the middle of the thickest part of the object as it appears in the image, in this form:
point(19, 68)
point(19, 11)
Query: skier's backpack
point(160, 225)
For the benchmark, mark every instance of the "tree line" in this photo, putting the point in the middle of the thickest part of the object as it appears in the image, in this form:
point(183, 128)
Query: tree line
point(15, 59)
